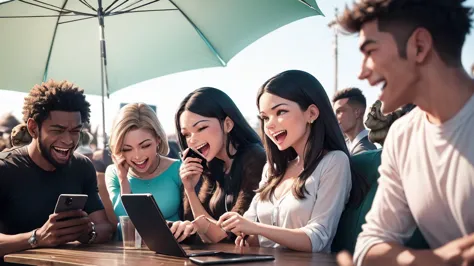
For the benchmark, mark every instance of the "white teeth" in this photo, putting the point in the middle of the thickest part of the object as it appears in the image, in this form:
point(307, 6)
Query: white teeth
point(141, 162)
point(59, 149)
point(381, 82)
point(278, 133)
point(197, 148)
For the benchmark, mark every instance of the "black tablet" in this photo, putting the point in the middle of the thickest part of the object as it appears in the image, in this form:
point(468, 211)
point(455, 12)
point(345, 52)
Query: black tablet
point(224, 258)
point(153, 228)
point(150, 224)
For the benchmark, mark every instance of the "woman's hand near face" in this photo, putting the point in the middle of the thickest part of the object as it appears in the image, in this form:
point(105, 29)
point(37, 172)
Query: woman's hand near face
point(190, 171)
point(122, 167)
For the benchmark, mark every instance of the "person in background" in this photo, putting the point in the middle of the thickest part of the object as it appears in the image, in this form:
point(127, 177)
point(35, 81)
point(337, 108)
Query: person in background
point(349, 106)
point(379, 124)
point(139, 147)
point(33, 176)
point(209, 122)
point(7, 123)
point(308, 179)
point(84, 144)
point(174, 149)
point(3, 144)
point(20, 136)
point(413, 49)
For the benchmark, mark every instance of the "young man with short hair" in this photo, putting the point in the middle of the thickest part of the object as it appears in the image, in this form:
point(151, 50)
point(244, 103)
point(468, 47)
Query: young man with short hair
point(413, 49)
point(349, 106)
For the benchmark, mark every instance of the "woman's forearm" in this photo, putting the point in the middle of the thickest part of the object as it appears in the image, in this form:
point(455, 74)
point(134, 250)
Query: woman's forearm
point(196, 206)
point(294, 239)
point(213, 232)
point(125, 187)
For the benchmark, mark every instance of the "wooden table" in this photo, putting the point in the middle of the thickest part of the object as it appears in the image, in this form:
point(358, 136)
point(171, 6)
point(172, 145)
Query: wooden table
point(114, 255)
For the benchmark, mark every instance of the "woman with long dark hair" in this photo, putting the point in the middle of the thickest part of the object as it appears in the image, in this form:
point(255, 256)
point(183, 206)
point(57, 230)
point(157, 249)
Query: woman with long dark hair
point(308, 178)
point(210, 123)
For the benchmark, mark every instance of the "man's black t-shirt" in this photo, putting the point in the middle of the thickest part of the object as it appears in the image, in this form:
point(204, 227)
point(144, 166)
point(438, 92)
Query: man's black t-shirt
point(28, 194)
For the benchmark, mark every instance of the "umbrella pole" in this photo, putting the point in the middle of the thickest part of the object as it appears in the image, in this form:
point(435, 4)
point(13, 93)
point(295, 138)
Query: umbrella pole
point(103, 67)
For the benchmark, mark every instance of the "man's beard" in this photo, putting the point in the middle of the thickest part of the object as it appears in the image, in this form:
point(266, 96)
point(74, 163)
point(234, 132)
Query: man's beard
point(45, 152)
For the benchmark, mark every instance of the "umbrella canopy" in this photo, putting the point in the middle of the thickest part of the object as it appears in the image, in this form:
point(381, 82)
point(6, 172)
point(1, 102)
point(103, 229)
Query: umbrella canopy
point(145, 39)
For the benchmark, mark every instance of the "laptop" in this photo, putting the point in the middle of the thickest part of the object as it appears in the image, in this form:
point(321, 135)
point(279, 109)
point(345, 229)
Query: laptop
point(153, 228)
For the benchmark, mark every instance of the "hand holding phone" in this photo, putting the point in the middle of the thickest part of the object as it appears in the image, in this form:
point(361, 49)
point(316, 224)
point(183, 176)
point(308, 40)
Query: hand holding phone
point(192, 168)
point(62, 227)
point(191, 153)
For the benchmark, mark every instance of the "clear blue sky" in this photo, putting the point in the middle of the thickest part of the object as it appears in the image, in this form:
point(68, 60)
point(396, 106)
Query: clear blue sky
point(305, 44)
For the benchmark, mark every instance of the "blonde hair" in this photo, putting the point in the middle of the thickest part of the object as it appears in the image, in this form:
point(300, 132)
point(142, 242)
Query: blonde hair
point(137, 116)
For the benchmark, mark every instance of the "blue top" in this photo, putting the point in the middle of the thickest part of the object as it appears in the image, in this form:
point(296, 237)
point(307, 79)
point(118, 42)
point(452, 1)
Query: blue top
point(165, 188)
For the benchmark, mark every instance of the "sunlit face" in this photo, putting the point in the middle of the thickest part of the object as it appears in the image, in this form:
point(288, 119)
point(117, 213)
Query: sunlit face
point(58, 137)
point(204, 134)
point(382, 65)
point(283, 121)
point(140, 149)
point(345, 114)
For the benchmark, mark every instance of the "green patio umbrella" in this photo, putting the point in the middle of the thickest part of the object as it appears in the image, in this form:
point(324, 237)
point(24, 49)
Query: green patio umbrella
point(66, 39)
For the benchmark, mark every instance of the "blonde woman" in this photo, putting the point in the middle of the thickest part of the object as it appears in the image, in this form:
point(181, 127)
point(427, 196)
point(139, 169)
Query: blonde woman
point(139, 147)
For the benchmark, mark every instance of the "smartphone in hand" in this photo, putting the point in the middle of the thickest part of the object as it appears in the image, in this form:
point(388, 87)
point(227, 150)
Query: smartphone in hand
point(195, 154)
point(70, 202)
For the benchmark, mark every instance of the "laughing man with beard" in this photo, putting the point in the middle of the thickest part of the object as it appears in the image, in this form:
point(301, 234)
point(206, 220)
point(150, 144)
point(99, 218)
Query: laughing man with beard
point(33, 176)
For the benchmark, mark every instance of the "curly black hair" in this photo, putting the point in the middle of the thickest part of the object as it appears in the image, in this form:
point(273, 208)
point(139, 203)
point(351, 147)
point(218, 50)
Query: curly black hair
point(55, 96)
point(448, 21)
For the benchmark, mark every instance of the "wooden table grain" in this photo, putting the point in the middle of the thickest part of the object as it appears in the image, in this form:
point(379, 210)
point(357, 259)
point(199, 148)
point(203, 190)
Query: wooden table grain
point(113, 254)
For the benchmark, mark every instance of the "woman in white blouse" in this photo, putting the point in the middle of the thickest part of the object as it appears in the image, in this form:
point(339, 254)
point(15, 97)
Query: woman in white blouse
point(308, 179)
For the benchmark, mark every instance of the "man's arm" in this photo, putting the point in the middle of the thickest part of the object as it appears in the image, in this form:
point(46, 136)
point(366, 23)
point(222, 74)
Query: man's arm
point(389, 221)
point(14, 243)
point(54, 232)
point(103, 228)
point(389, 254)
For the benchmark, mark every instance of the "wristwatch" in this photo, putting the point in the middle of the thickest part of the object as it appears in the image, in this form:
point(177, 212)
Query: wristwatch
point(92, 234)
point(32, 240)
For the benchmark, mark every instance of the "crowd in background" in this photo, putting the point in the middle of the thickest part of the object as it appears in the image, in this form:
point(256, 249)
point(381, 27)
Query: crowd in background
point(294, 184)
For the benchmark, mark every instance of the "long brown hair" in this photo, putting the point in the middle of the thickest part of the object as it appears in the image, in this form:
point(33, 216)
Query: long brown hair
point(325, 134)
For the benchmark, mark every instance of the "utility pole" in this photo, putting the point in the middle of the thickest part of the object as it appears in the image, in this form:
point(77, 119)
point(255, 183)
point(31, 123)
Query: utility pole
point(333, 25)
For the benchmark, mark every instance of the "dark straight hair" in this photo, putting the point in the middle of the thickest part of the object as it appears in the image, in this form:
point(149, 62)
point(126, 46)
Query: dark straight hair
point(325, 134)
point(211, 102)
